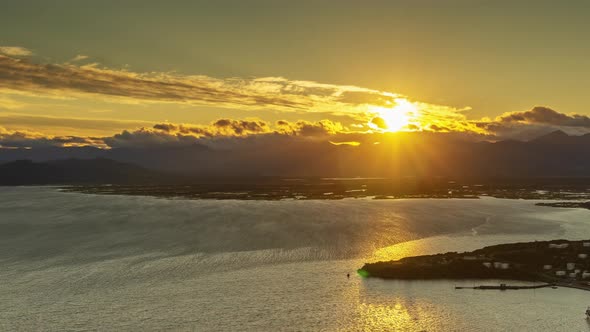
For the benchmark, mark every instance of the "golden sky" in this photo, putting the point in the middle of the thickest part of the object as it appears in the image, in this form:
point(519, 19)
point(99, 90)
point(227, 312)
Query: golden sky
point(493, 70)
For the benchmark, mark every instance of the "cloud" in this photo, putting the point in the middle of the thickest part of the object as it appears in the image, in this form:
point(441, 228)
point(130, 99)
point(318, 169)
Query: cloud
point(357, 104)
point(144, 137)
point(241, 127)
point(357, 107)
point(379, 122)
point(533, 123)
point(218, 133)
point(438, 128)
point(360, 109)
point(28, 139)
point(10, 104)
point(222, 131)
point(272, 92)
point(545, 115)
point(171, 134)
point(221, 127)
point(79, 57)
point(327, 131)
point(367, 97)
point(351, 143)
point(233, 128)
point(15, 51)
point(307, 128)
point(67, 126)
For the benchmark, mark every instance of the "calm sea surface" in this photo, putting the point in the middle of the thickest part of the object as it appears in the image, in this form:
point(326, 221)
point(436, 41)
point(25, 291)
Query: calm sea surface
point(86, 262)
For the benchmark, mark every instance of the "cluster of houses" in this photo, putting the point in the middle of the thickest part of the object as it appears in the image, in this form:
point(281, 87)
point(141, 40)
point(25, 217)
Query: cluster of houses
point(497, 265)
point(489, 265)
point(572, 269)
point(577, 264)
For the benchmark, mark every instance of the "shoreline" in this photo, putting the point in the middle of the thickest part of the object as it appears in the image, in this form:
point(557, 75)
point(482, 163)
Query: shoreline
point(559, 198)
point(580, 287)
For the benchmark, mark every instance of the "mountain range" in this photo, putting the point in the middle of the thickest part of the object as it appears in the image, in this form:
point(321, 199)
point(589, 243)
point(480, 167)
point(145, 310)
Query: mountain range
point(553, 155)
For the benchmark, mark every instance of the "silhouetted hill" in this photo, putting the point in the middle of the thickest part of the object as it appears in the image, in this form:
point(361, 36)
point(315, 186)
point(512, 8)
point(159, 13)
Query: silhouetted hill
point(560, 137)
point(73, 171)
point(400, 155)
point(52, 153)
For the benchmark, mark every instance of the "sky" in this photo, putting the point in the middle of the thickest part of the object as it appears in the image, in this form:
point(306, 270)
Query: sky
point(94, 69)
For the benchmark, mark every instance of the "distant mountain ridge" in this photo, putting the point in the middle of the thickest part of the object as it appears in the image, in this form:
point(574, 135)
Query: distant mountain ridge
point(406, 155)
point(560, 137)
point(73, 171)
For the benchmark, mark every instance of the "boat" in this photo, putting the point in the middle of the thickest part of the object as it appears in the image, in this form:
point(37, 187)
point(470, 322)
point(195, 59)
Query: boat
point(588, 312)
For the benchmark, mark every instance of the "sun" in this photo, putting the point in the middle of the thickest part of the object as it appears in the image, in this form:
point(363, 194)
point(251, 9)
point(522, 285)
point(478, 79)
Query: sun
point(394, 119)
point(397, 117)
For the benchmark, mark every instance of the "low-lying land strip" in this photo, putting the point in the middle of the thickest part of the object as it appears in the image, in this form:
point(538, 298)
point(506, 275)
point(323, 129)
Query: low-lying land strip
point(560, 262)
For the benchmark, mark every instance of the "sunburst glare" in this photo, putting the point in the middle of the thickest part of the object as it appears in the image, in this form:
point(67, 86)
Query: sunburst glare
point(395, 118)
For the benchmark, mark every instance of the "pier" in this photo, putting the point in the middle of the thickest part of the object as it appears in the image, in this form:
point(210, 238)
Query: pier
point(506, 287)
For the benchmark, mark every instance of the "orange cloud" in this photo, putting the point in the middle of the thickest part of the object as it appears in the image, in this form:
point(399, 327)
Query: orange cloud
point(29, 139)
point(365, 107)
point(350, 143)
point(15, 51)
point(71, 80)
point(272, 92)
point(545, 115)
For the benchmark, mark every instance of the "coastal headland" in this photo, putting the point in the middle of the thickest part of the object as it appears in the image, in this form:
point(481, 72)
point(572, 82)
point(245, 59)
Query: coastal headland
point(560, 262)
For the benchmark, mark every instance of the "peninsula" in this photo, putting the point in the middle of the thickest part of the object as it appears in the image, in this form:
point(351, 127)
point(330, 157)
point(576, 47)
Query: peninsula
point(574, 204)
point(560, 262)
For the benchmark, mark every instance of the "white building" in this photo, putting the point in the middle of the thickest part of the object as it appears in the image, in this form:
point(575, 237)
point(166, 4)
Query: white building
point(583, 256)
point(570, 266)
point(547, 267)
point(559, 245)
point(497, 265)
point(505, 266)
point(487, 264)
point(586, 244)
point(573, 275)
point(560, 273)
point(585, 275)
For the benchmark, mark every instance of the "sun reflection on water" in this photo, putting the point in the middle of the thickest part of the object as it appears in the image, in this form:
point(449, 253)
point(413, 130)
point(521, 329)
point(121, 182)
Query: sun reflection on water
point(395, 313)
point(385, 306)
point(399, 251)
point(378, 316)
